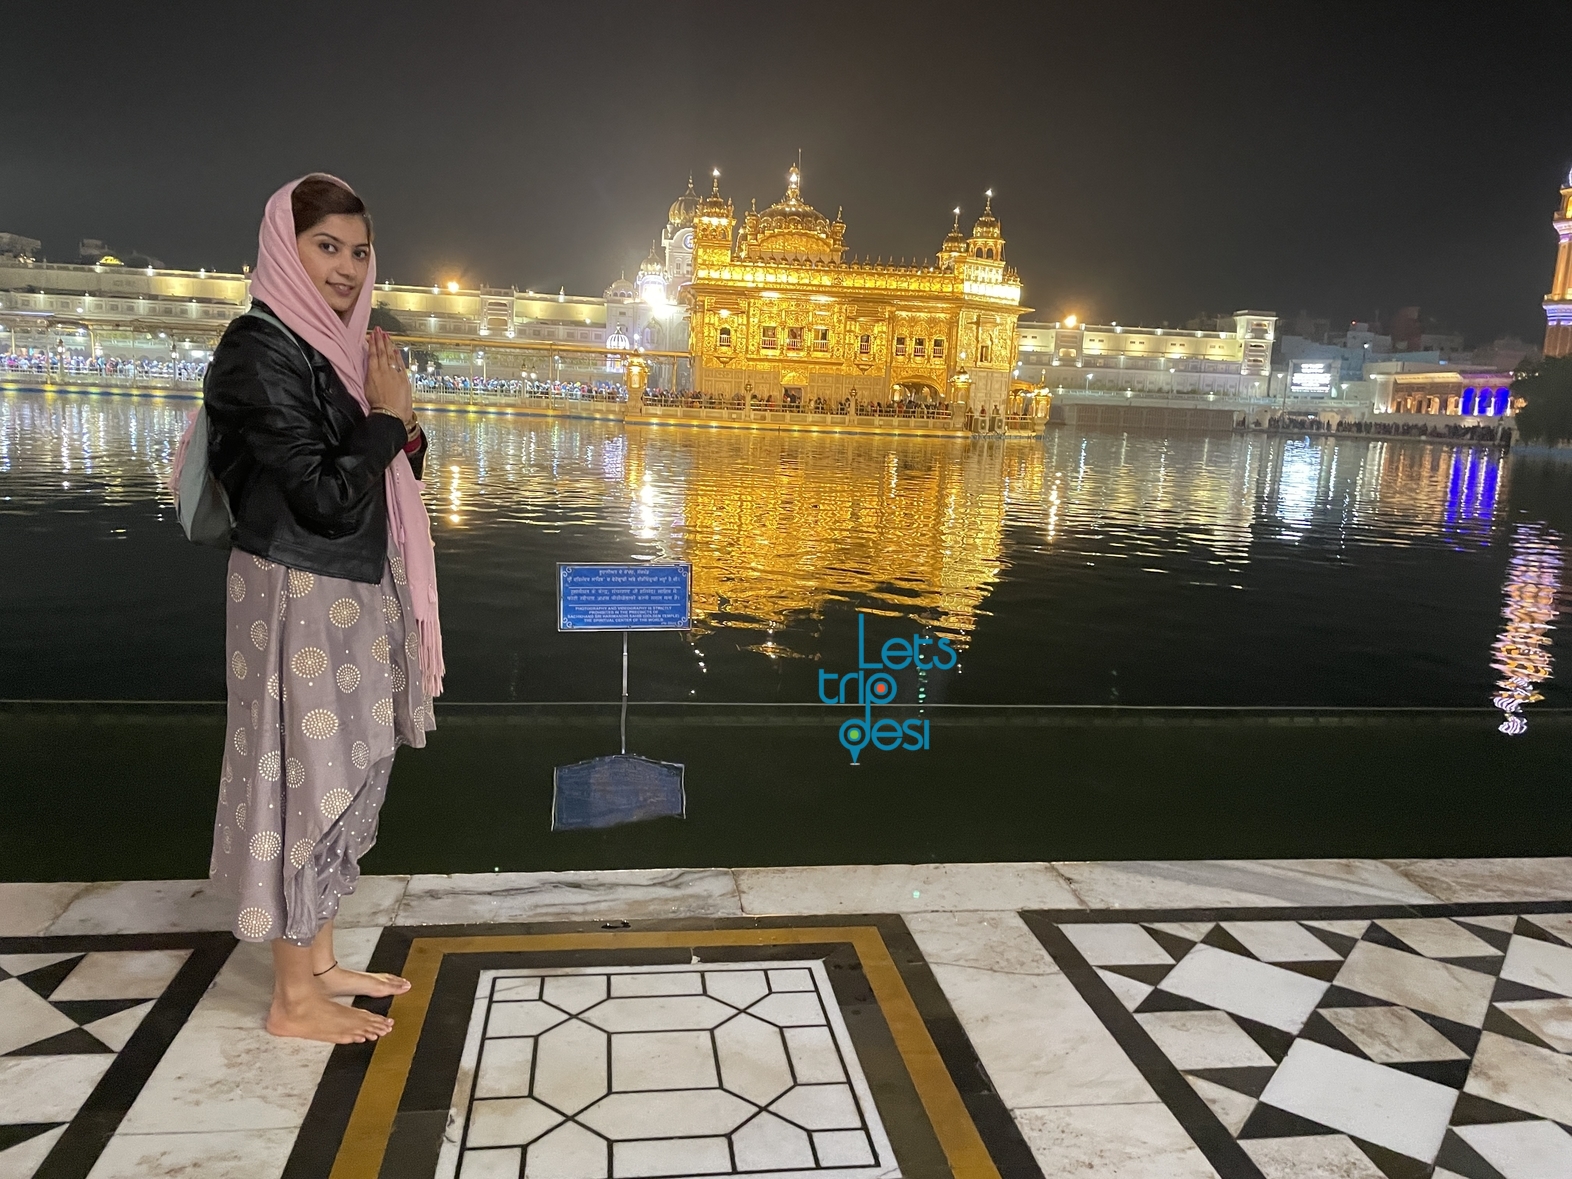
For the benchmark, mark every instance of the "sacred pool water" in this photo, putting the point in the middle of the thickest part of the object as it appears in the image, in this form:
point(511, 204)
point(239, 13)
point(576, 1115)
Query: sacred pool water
point(1201, 645)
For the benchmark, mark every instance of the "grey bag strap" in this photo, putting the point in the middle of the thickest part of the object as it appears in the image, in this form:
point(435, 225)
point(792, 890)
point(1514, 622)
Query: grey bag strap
point(269, 317)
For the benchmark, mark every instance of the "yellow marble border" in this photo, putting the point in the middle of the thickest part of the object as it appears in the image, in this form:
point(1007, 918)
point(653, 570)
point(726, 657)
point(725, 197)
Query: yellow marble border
point(371, 1122)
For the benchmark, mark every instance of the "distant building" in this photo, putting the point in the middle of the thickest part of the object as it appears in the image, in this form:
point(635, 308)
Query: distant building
point(1414, 387)
point(1558, 303)
point(132, 311)
point(14, 246)
point(1071, 356)
point(1358, 348)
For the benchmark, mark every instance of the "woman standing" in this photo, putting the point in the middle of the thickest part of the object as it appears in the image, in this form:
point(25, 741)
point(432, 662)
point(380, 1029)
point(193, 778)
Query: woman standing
point(333, 642)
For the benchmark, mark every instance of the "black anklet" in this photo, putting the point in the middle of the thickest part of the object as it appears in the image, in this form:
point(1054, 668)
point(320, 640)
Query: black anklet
point(320, 973)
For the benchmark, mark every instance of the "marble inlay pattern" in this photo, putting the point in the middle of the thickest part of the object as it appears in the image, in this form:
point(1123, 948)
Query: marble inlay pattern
point(1396, 1046)
point(740, 1068)
point(70, 1011)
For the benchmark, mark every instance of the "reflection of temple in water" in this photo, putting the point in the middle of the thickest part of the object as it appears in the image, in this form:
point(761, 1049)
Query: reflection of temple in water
point(1521, 652)
point(777, 525)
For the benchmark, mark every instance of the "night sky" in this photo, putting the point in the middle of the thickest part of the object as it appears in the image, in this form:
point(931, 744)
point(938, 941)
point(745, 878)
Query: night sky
point(1151, 161)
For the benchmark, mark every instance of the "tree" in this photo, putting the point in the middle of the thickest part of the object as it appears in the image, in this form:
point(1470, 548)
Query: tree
point(382, 318)
point(1546, 388)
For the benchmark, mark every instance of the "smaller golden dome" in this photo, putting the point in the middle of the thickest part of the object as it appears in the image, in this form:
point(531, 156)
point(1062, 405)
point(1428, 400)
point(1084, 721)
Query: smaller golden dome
point(954, 242)
point(714, 205)
point(987, 225)
point(652, 264)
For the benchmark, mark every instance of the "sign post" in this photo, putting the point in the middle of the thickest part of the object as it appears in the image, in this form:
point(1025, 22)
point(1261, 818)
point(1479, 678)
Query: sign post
point(620, 788)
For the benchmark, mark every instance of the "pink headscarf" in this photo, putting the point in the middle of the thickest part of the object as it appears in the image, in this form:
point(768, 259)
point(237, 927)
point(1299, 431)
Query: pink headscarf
point(281, 282)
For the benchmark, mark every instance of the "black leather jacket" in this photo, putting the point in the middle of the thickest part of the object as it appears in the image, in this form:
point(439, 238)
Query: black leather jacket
point(301, 462)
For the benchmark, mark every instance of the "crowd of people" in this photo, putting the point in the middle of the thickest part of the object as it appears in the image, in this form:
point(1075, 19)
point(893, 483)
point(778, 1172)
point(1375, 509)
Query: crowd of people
point(515, 387)
point(56, 367)
point(1451, 432)
point(790, 402)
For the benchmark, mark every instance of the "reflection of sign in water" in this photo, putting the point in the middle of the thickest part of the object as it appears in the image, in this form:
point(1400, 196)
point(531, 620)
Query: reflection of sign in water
point(1312, 378)
point(879, 688)
point(624, 597)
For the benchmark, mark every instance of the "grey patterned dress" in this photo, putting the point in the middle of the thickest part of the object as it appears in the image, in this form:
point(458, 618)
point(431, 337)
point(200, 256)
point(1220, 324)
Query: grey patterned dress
point(324, 686)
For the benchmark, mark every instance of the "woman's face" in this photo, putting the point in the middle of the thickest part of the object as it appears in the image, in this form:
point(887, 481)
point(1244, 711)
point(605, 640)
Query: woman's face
point(336, 252)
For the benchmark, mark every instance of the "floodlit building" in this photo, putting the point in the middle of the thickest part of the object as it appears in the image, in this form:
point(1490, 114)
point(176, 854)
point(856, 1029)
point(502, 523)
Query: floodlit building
point(777, 310)
point(1235, 360)
point(1411, 387)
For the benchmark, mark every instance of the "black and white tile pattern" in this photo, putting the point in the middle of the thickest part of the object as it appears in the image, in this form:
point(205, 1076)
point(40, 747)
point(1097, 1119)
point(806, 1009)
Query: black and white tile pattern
point(729, 1069)
point(63, 1018)
point(80, 1034)
point(1339, 1045)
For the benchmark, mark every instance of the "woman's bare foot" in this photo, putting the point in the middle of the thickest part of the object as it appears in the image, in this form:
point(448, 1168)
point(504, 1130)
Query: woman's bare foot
point(317, 1017)
point(340, 982)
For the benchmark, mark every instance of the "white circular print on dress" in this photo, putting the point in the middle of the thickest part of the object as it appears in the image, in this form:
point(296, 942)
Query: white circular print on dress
point(344, 613)
point(300, 852)
point(319, 723)
point(309, 662)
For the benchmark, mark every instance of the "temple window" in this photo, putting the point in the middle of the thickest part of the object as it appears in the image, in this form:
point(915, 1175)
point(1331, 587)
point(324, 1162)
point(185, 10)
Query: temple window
point(769, 340)
point(938, 347)
point(900, 345)
point(865, 346)
point(984, 352)
point(988, 253)
point(725, 337)
point(794, 339)
point(821, 339)
point(919, 348)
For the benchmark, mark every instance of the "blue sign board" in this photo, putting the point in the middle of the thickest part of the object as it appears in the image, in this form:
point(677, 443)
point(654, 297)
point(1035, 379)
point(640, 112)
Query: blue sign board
point(624, 597)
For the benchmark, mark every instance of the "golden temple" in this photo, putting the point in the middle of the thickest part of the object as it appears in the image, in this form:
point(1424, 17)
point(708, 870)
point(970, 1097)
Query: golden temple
point(777, 312)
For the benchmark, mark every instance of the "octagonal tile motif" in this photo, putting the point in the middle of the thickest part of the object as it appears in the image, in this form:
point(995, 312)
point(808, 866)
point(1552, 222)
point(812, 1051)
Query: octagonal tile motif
point(726, 1068)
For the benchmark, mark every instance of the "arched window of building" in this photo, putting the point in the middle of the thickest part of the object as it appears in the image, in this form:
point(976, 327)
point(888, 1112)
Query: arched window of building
point(724, 340)
point(919, 348)
point(865, 345)
point(770, 337)
point(900, 345)
point(988, 253)
point(938, 347)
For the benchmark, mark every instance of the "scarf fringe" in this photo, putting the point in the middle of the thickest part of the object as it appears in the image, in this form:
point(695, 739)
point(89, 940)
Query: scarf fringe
point(431, 666)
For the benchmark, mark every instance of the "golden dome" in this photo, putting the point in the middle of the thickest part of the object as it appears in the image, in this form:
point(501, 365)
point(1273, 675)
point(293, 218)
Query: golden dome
point(792, 228)
point(653, 263)
point(683, 208)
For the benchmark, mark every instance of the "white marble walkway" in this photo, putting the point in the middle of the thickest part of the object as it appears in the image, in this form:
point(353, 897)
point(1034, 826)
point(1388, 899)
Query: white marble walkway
point(227, 1100)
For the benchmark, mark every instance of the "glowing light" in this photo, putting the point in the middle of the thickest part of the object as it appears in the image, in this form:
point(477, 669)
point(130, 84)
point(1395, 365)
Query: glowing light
point(1070, 321)
point(452, 287)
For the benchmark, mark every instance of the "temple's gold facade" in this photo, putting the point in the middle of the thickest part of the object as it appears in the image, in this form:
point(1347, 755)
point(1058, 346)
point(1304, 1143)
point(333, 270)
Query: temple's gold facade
point(777, 311)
